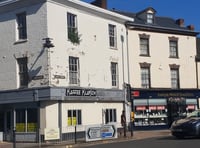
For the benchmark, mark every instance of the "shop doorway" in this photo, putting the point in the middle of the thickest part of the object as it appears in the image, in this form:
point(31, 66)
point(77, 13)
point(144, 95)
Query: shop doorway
point(176, 109)
point(1, 121)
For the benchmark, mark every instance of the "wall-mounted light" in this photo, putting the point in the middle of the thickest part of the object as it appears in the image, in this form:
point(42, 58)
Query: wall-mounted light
point(48, 42)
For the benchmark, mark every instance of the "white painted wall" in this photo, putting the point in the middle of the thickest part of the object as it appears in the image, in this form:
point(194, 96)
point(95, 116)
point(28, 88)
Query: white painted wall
point(32, 48)
point(91, 112)
point(159, 60)
point(50, 20)
point(94, 52)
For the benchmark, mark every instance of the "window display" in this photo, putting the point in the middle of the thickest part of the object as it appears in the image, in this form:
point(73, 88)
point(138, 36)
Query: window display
point(149, 113)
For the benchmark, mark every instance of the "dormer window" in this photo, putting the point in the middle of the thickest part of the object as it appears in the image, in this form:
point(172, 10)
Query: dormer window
point(150, 18)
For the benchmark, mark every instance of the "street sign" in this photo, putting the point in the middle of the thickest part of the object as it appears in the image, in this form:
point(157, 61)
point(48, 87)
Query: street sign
point(101, 132)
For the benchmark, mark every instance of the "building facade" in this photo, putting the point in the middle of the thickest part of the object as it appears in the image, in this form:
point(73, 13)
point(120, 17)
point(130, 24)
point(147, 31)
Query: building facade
point(62, 64)
point(163, 69)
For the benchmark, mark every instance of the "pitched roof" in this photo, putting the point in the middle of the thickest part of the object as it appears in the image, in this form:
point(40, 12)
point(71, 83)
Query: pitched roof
point(166, 24)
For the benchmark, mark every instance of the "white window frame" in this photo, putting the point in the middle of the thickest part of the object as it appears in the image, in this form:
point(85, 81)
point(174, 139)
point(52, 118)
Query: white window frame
point(112, 36)
point(110, 115)
point(150, 18)
point(144, 46)
point(21, 26)
point(114, 74)
point(174, 78)
point(74, 113)
point(173, 45)
point(145, 77)
point(74, 71)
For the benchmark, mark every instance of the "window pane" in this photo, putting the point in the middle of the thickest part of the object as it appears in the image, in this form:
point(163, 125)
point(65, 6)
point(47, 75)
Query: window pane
point(79, 117)
point(173, 49)
point(112, 36)
point(73, 70)
point(21, 25)
point(174, 78)
point(71, 24)
point(20, 120)
point(144, 46)
point(145, 77)
point(23, 72)
point(74, 117)
point(114, 74)
point(32, 120)
point(150, 18)
point(110, 115)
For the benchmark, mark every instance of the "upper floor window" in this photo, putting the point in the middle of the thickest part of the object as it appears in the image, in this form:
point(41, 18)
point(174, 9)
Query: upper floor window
point(150, 18)
point(145, 75)
point(144, 45)
point(112, 36)
point(74, 70)
point(173, 47)
point(23, 72)
point(21, 25)
point(72, 28)
point(114, 74)
point(174, 69)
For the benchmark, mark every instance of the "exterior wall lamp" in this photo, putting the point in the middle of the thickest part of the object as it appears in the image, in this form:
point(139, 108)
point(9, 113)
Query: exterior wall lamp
point(48, 42)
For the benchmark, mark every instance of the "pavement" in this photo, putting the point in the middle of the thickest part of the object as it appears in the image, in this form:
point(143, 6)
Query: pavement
point(137, 135)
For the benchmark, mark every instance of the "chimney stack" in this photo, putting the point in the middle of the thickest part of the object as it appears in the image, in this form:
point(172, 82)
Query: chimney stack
point(100, 3)
point(180, 22)
point(190, 27)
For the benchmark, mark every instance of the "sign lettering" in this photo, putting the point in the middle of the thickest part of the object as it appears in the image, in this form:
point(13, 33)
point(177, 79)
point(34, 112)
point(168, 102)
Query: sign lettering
point(80, 92)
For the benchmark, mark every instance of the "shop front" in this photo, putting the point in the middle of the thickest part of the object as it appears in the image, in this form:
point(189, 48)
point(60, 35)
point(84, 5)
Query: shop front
point(28, 115)
point(159, 108)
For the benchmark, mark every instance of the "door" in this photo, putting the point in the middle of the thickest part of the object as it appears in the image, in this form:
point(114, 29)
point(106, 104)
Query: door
point(176, 109)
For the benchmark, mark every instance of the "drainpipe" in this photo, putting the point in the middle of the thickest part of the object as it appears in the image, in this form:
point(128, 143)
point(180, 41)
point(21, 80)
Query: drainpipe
point(197, 77)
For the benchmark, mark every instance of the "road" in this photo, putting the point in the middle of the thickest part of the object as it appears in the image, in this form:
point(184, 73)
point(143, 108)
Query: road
point(156, 142)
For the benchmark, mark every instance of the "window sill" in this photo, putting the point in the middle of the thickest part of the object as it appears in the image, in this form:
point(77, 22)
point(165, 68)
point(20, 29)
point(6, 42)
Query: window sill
point(144, 55)
point(173, 57)
point(20, 41)
point(113, 48)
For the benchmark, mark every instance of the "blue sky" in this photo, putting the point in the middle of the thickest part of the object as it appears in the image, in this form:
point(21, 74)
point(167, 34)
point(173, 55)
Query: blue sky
point(189, 10)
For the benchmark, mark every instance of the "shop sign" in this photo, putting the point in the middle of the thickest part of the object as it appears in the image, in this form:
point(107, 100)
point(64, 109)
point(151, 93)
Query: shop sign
point(81, 92)
point(152, 107)
point(140, 108)
point(51, 134)
point(160, 107)
point(135, 93)
point(190, 107)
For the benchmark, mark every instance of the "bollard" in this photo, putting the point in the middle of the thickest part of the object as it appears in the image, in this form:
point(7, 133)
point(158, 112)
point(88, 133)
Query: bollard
point(14, 138)
point(75, 136)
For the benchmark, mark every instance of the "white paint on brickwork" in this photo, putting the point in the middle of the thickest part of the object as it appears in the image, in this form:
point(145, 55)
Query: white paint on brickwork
point(50, 20)
point(11, 48)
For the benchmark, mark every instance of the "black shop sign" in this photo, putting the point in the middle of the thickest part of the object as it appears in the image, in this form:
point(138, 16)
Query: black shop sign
point(81, 92)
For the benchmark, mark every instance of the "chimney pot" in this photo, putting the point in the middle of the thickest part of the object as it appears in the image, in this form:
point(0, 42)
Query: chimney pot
point(190, 27)
point(100, 3)
point(180, 22)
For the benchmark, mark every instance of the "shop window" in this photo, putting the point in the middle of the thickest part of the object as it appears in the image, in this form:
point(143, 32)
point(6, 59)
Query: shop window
point(26, 120)
point(74, 117)
point(110, 115)
point(150, 112)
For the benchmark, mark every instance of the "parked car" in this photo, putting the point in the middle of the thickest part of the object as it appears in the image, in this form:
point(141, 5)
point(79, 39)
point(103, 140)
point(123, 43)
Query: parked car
point(188, 126)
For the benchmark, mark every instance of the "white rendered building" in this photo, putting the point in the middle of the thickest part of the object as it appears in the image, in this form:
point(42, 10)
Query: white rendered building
point(163, 70)
point(63, 63)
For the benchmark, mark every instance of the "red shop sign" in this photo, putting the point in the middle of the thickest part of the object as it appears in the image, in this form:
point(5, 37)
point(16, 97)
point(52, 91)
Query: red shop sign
point(140, 107)
point(160, 107)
